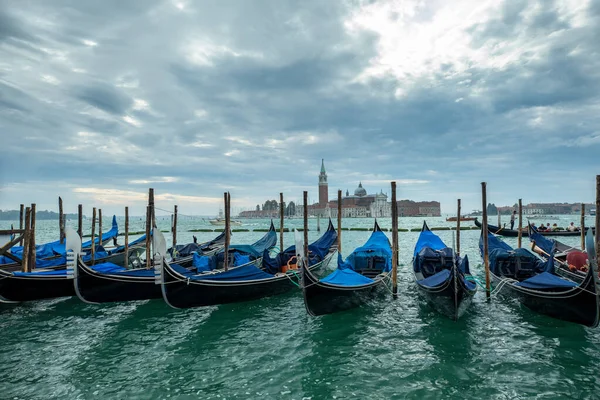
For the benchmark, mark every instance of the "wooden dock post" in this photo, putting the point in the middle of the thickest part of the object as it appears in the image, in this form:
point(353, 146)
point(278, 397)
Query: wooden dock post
point(151, 204)
point(597, 216)
point(100, 227)
point(26, 240)
point(394, 243)
point(80, 220)
point(305, 262)
point(227, 232)
point(582, 225)
point(93, 235)
point(484, 232)
point(148, 235)
point(339, 222)
point(21, 220)
point(520, 234)
point(174, 226)
point(499, 219)
point(32, 252)
point(457, 250)
point(126, 262)
point(281, 213)
point(61, 226)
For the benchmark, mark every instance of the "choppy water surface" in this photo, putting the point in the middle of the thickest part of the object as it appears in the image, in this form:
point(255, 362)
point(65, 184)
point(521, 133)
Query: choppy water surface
point(271, 348)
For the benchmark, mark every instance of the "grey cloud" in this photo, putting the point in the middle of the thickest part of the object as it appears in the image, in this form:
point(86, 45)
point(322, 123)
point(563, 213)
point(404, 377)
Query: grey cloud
point(12, 27)
point(286, 71)
point(104, 97)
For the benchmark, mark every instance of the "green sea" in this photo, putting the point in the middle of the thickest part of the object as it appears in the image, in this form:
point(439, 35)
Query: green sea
point(272, 349)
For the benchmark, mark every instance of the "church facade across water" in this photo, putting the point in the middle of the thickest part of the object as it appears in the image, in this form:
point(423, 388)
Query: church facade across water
point(360, 204)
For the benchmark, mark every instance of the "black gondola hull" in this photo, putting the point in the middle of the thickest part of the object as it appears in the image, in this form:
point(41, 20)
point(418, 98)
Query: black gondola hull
point(180, 292)
point(322, 298)
point(96, 287)
point(28, 288)
point(447, 300)
point(578, 304)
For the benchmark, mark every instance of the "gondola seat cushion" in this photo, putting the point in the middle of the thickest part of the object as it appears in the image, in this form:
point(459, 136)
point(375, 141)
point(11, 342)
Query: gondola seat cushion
point(435, 280)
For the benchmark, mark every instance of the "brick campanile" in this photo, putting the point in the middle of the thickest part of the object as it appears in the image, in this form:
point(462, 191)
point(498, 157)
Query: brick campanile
point(323, 187)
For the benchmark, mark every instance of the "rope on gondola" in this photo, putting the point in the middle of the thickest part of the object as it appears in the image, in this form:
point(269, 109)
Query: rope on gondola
point(178, 213)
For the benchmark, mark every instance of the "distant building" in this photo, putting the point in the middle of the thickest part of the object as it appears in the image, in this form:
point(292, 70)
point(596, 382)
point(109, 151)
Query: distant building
point(358, 205)
point(409, 208)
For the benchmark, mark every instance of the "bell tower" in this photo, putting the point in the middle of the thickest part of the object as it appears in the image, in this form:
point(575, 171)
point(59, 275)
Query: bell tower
point(323, 187)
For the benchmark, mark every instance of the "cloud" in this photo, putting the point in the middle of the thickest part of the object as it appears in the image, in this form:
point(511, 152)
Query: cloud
point(104, 97)
point(249, 97)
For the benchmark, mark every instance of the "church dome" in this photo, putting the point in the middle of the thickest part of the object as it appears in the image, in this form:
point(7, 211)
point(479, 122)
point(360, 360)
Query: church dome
point(360, 191)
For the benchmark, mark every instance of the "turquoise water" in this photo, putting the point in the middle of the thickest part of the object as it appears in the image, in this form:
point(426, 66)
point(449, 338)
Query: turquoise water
point(271, 348)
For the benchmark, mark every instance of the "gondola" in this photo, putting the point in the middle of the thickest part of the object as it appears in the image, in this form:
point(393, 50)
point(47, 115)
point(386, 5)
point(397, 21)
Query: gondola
point(570, 262)
point(441, 275)
point(53, 253)
point(267, 277)
point(109, 283)
point(503, 231)
point(51, 279)
point(522, 274)
point(356, 280)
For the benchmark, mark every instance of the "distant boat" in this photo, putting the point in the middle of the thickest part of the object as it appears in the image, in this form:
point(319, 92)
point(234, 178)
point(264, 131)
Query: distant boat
point(593, 211)
point(220, 221)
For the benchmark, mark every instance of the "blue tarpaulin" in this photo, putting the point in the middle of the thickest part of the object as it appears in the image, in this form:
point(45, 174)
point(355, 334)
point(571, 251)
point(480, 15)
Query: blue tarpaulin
point(546, 280)
point(540, 240)
point(346, 277)
point(56, 248)
point(378, 246)
point(374, 255)
point(245, 273)
point(430, 240)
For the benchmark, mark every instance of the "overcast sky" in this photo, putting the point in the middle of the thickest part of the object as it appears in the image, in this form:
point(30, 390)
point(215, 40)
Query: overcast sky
point(100, 100)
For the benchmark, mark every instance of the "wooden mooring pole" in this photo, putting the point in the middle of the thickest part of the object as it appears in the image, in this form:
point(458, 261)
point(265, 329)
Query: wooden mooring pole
point(339, 222)
point(597, 227)
point(26, 241)
point(484, 232)
point(148, 235)
point(21, 220)
point(80, 220)
point(582, 225)
point(32, 252)
point(457, 250)
point(100, 227)
point(61, 226)
point(227, 232)
point(305, 262)
point(151, 204)
point(126, 261)
point(93, 235)
point(394, 243)
point(174, 227)
point(281, 214)
point(520, 234)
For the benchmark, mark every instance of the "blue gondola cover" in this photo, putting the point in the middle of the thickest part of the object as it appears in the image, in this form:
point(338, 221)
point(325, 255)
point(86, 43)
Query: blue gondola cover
point(546, 280)
point(346, 277)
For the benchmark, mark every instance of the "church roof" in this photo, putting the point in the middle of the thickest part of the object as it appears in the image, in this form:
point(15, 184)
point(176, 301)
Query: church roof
point(322, 165)
point(360, 191)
